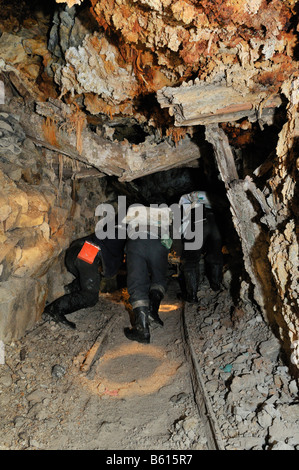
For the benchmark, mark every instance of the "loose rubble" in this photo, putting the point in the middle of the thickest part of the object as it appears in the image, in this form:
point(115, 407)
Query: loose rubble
point(253, 396)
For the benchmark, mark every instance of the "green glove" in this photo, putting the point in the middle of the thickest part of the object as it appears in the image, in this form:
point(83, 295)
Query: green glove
point(166, 241)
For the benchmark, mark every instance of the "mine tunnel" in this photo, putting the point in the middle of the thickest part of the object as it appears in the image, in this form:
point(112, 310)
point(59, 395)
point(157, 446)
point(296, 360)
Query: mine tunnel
point(152, 100)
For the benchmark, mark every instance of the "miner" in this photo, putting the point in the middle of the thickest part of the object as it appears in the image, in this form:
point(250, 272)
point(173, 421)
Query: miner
point(89, 259)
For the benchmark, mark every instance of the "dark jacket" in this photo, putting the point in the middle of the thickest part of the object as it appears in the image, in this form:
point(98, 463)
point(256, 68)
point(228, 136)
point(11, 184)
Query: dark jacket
point(111, 252)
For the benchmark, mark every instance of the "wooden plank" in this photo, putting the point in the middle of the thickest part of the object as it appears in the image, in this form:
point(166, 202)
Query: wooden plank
point(96, 349)
point(223, 153)
point(244, 214)
point(161, 157)
point(201, 103)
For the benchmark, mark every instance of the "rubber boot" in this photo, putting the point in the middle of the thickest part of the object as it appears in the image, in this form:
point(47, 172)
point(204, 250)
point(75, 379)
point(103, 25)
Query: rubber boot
point(214, 275)
point(155, 297)
point(191, 282)
point(51, 314)
point(140, 331)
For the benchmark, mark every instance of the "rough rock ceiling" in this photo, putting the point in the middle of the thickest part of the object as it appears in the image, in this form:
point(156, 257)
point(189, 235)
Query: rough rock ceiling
point(246, 45)
point(203, 61)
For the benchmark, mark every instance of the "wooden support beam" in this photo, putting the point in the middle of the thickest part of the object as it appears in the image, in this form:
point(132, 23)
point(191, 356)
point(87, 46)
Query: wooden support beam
point(244, 213)
point(112, 158)
point(202, 104)
point(223, 153)
point(226, 164)
point(148, 159)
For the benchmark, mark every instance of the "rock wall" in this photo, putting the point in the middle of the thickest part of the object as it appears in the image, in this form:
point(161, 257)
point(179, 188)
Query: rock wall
point(41, 211)
point(283, 247)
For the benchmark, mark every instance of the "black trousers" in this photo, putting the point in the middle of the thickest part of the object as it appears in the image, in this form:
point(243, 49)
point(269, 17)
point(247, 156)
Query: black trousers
point(147, 263)
point(86, 286)
point(211, 246)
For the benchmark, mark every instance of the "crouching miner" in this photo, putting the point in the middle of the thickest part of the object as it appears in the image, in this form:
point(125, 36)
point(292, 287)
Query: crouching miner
point(88, 259)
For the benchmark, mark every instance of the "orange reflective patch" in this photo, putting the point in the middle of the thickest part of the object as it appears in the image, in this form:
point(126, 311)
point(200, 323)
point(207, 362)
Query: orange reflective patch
point(88, 252)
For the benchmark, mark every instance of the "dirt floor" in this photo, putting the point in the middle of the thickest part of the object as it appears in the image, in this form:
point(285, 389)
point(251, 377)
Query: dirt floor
point(211, 378)
point(94, 389)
